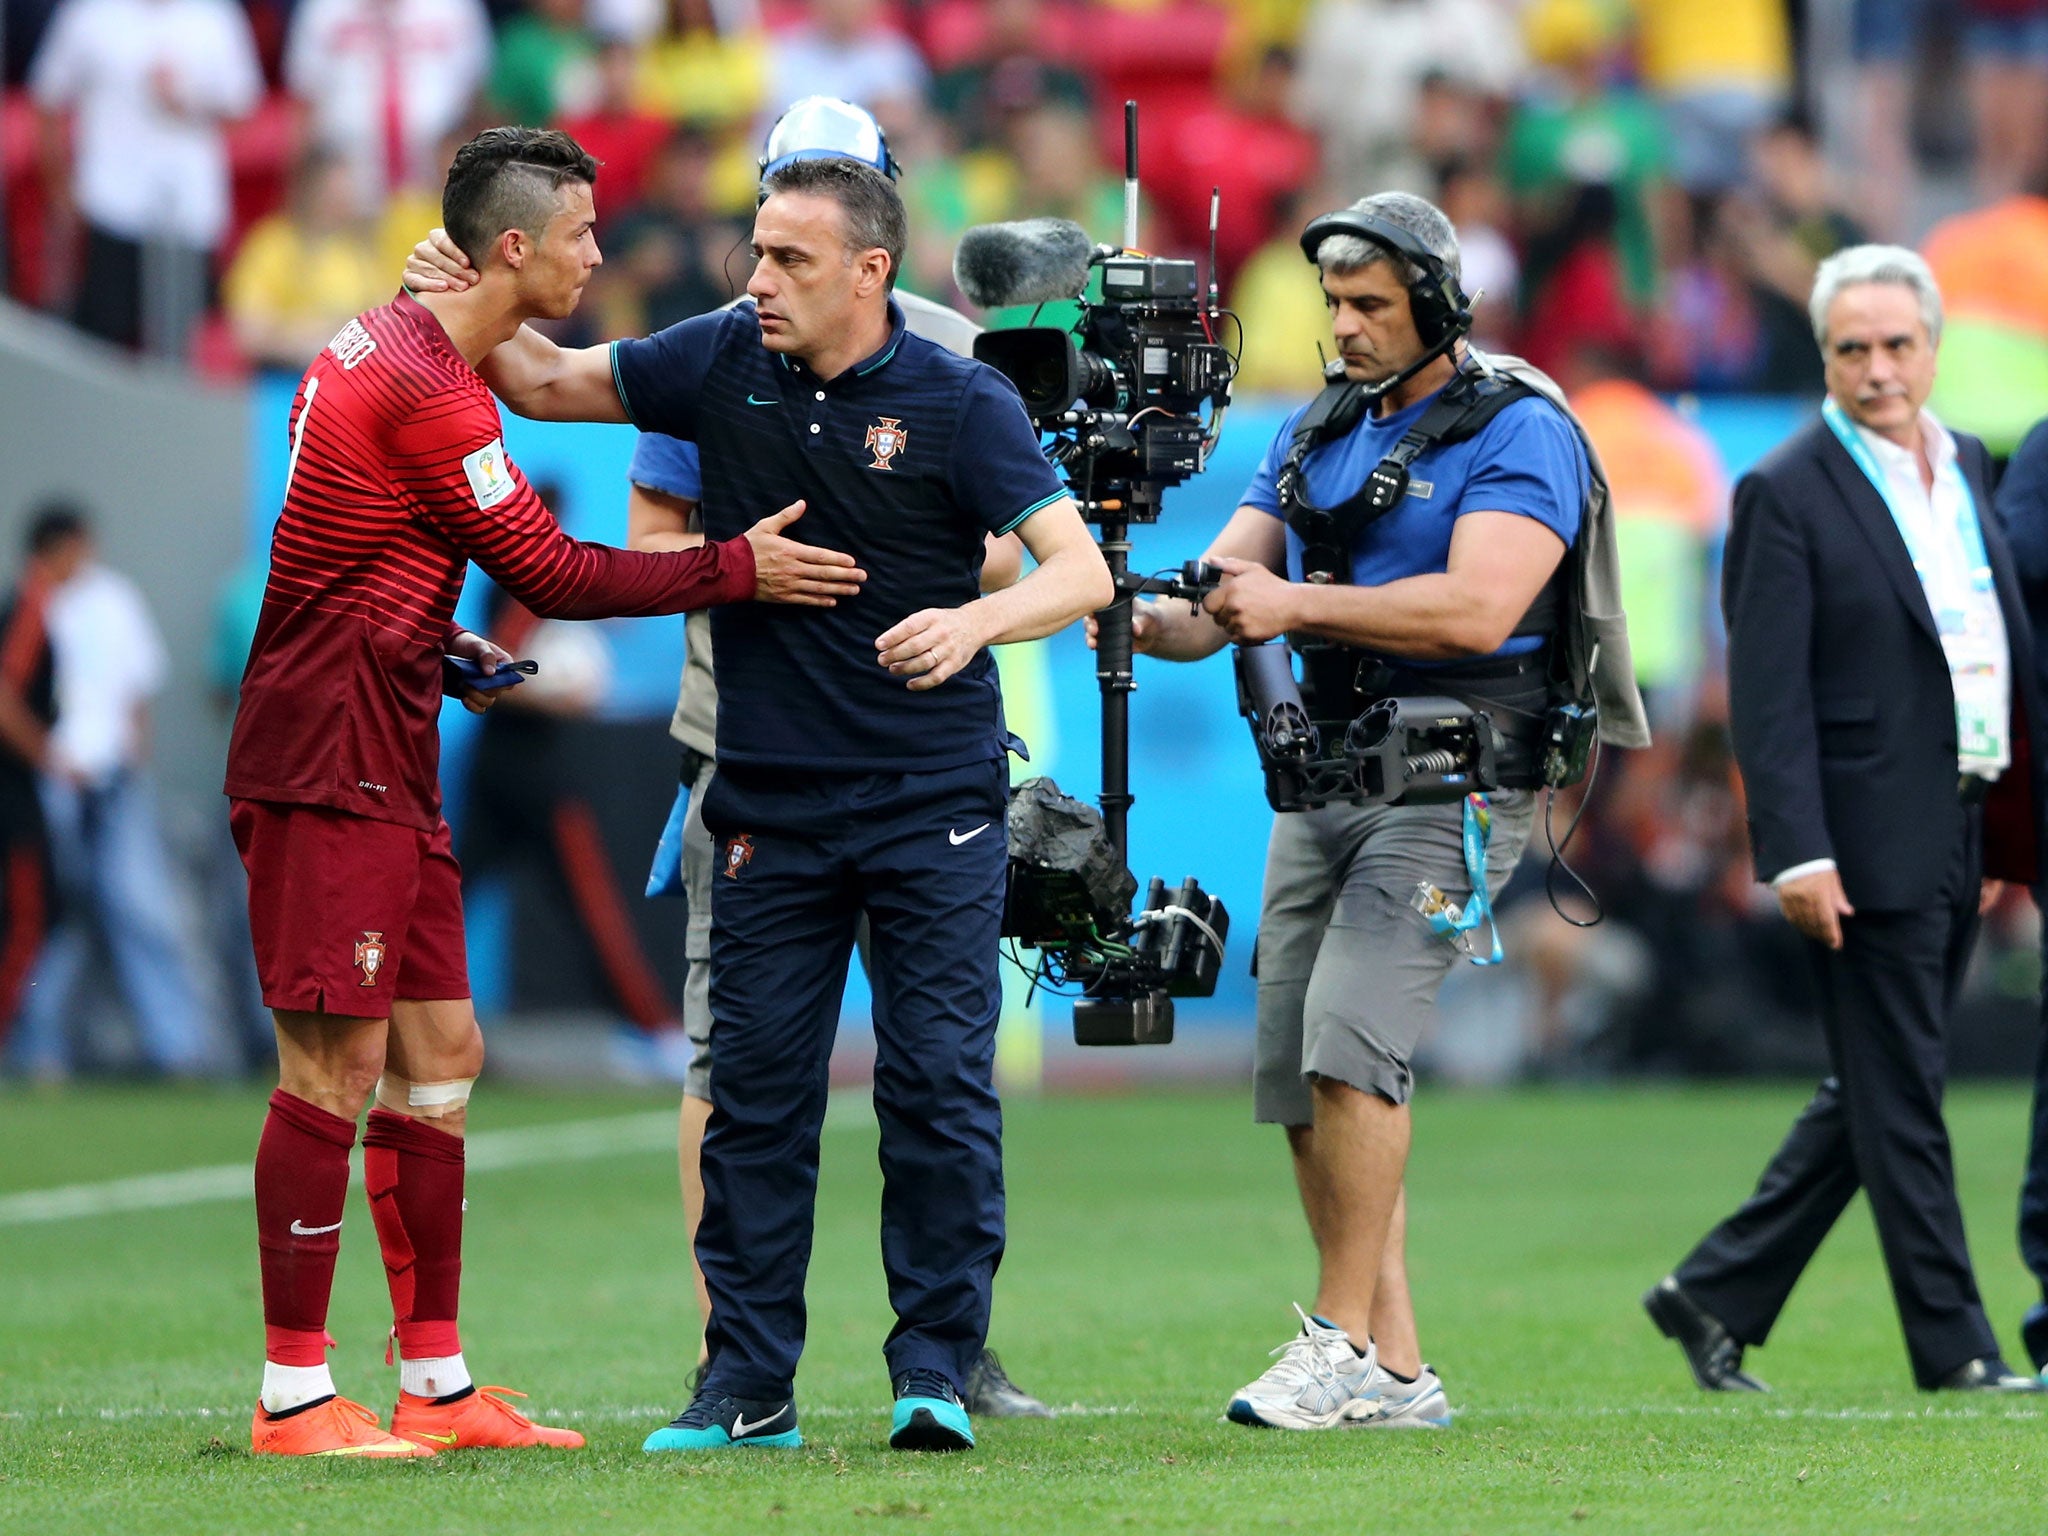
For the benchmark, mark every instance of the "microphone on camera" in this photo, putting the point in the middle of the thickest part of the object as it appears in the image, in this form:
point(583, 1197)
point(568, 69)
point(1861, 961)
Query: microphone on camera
point(1032, 261)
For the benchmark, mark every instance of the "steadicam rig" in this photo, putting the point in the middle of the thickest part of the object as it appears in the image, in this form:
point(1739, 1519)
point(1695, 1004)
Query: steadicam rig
point(1131, 400)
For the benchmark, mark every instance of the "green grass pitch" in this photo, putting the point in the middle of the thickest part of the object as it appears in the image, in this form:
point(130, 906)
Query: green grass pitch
point(1155, 1245)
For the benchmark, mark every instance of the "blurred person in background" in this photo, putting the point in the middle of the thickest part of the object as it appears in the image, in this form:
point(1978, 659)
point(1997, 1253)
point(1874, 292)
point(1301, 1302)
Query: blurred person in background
point(1473, 199)
point(1577, 129)
point(147, 87)
point(707, 65)
point(1992, 265)
point(1790, 177)
point(1889, 38)
point(1721, 70)
point(1008, 69)
point(1880, 682)
point(1243, 144)
point(668, 251)
point(1059, 173)
point(2005, 45)
point(847, 49)
point(300, 274)
point(106, 849)
point(1725, 325)
point(1575, 290)
point(53, 552)
point(625, 136)
point(1668, 490)
point(1286, 322)
point(544, 66)
point(384, 82)
point(1363, 63)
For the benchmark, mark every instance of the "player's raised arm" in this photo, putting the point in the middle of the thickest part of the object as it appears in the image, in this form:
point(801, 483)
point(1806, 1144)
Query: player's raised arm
point(540, 380)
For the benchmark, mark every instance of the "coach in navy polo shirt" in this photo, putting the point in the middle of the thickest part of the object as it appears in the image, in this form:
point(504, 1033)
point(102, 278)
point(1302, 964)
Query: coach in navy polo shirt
point(861, 768)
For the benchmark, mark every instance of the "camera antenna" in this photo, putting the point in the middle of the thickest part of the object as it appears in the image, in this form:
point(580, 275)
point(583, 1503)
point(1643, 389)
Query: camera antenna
point(1130, 175)
point(1215, 216)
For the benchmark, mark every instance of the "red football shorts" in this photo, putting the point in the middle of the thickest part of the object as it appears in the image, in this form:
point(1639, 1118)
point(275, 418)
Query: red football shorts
point(348, 913)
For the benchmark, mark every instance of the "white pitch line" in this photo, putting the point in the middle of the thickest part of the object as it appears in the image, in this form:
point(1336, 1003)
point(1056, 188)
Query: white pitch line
point(488, 1152)
point(629, 1413)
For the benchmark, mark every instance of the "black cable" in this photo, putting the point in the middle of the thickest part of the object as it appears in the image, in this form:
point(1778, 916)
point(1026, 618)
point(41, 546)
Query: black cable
point(1557, 859)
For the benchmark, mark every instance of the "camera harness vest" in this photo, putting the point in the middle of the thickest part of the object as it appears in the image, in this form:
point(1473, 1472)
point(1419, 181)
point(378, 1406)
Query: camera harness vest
point(1337, 677)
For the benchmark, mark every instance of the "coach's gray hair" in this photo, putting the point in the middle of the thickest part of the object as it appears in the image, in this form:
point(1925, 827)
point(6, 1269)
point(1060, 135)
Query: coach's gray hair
point(1405, 211)
point(1892, 264)
point(872, 207)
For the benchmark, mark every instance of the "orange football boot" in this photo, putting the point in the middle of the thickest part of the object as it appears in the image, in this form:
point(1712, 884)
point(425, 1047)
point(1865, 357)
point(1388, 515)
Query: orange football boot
point(337, 1427)
point(483, 1420)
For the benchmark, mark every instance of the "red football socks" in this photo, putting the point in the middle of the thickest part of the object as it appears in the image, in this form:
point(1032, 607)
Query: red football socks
point(413, 1173)
point(301, 1182)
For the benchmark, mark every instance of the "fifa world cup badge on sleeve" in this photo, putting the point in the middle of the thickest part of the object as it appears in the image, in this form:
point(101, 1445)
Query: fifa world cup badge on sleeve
point(490, 474)
point(370, 957)
point(886, 438)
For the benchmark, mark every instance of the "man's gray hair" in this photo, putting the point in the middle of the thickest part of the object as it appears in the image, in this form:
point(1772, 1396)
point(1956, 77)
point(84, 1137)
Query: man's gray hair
point(1892, 264)
point(1405, 211)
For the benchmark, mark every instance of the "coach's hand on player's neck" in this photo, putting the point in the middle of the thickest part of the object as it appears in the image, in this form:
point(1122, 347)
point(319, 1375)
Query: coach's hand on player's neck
point(526, 274)
point(821, 301)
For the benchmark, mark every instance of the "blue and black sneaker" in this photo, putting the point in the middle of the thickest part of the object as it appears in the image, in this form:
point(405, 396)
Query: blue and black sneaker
point(715, 1421)
point(929, 1415)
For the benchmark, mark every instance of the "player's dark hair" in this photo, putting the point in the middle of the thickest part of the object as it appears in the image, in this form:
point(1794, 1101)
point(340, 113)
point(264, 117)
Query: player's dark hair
point(55, 523)
point(509, 178)
point(869, 200)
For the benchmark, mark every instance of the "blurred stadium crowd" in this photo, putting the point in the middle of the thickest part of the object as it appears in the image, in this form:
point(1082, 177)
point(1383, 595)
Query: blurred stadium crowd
point(1642, 189)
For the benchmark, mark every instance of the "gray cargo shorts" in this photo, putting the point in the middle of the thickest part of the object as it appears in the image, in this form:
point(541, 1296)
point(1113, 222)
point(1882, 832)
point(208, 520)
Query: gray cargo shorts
point(699, 865)
point(1348, 970)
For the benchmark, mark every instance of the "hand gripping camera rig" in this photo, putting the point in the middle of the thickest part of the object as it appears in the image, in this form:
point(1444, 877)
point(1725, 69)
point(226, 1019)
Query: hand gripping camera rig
point(1122, 398)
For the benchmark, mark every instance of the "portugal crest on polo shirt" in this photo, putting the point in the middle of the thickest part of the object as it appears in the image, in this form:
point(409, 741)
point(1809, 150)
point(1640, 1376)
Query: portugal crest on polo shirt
point(886, 439)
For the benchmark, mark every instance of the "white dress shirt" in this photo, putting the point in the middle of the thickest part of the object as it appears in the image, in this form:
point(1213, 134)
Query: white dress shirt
point(141, 169)
point(1973, 637)
point(107, 660)
point(363, 65)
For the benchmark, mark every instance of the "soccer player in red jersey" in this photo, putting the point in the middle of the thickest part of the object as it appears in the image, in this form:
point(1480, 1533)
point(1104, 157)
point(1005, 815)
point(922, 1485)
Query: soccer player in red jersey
point(398, 478)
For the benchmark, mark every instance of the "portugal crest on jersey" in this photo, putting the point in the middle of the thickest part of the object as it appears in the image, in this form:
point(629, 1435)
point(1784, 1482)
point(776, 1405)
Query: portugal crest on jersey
point(370, 957)
point(738, 851)
point(886, 439)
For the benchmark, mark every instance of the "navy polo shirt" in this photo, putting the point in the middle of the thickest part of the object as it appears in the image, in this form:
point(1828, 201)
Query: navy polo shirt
point(904, 462)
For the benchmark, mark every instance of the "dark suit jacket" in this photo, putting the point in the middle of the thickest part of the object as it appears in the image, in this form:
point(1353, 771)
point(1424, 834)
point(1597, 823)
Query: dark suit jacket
point(1839, 693)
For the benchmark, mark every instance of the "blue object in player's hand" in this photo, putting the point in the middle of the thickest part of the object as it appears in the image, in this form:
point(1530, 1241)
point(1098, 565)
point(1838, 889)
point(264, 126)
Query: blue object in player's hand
point(459, 672)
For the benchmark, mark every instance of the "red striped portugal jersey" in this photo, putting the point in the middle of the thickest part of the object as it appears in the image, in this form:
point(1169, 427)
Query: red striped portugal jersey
point(398, 478)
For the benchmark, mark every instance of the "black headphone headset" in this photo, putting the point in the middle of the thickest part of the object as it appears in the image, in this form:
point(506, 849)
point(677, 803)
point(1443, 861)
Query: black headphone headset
point(1442, 311)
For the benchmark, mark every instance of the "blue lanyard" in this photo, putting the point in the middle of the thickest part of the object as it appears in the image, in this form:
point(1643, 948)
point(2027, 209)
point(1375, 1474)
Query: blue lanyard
point(1968, 528)
point(1454, 922)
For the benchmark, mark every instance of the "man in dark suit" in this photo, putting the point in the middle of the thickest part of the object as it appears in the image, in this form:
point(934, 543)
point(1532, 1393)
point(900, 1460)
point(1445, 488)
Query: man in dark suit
point(2023, 508)
point(1881, 695)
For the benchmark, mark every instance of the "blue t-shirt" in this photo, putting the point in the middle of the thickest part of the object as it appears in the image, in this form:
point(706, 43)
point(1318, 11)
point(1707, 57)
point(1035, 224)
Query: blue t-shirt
point(667, 464)
point(1527, 460)
point(905, 461)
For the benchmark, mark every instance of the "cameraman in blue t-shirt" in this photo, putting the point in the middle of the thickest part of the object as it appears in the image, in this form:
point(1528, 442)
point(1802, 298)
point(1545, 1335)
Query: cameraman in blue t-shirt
point(1445, 592)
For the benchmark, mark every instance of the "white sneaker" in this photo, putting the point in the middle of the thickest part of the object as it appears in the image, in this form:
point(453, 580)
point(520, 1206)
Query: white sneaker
point(1321, 1382)
point(1417, 1404)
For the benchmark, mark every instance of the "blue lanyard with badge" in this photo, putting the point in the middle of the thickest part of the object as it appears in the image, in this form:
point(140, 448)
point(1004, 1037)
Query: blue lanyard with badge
point(1982, 717)
point(1446, 919)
